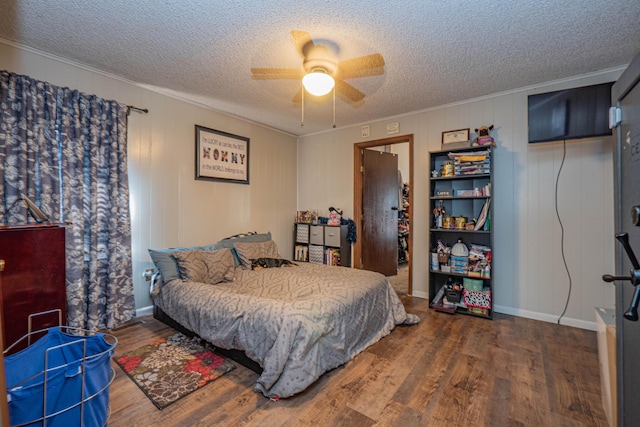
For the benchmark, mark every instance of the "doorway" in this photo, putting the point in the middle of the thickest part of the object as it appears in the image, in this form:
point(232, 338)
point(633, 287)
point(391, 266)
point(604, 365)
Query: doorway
point(358, 209)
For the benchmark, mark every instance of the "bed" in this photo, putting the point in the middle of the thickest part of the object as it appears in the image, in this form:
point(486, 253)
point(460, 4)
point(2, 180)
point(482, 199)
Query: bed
point(295, 322)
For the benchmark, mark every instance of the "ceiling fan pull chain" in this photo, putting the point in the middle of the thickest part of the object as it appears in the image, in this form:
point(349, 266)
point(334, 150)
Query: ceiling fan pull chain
point(334, 107)
point(302, 120)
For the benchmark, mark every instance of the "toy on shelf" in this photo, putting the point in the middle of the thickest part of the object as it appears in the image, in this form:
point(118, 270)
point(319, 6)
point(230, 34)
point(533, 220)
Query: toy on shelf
point(335, 216)
point(483, 137)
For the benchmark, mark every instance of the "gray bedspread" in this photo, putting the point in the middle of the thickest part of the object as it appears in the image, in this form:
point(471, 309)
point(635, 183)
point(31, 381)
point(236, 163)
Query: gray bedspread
point(296, 322)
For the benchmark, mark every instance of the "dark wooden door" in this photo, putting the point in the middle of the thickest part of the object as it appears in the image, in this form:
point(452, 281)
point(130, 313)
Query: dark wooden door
point(380, 210)
point(626, 95)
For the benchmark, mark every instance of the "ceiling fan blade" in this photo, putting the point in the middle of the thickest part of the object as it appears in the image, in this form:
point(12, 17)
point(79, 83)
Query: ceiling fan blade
point(301, 39)
point(369, 65)
point(276, 73)
point(349, 91)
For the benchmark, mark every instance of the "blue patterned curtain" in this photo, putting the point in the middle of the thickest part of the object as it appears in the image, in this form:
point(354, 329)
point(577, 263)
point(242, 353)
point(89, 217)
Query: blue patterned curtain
point(28, 147)
point(67, 151)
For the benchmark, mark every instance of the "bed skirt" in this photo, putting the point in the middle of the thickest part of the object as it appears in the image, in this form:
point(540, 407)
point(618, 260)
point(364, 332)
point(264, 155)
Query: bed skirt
point(233, 354)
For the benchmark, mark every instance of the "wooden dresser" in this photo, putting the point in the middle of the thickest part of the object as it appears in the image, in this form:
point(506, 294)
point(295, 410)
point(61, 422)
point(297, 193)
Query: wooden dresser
point(33, 279)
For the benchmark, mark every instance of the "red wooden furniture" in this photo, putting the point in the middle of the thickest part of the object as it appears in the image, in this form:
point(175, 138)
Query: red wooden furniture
point(33, 279)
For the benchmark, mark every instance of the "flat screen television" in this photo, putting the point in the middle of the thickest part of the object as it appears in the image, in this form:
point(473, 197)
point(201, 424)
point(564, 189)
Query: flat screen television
point(576, 113)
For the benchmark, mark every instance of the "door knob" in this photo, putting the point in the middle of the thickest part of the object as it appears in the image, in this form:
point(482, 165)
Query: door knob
point(634, 277)
point(610, 278)
point(635, 215)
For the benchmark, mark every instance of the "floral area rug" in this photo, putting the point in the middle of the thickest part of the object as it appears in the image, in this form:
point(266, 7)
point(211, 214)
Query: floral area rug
point(171, 368)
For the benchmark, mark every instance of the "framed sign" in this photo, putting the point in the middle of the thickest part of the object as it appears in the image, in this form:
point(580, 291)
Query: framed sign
point(455, 137)
point(221, 156)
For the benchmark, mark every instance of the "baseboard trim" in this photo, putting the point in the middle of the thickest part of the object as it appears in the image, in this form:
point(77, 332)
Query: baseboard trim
point(144, 311)
point(419, 294)
point(567, 321)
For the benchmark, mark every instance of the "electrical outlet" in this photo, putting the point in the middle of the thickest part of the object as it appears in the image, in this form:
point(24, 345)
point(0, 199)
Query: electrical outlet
point(366, 131)
point(148, 273)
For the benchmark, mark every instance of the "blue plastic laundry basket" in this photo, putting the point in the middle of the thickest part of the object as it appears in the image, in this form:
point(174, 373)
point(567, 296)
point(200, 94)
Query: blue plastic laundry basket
point(68, 373)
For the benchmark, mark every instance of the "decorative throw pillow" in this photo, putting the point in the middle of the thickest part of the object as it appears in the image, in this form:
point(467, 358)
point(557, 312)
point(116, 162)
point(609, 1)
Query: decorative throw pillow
point(249, 237)
point(206, 266)
point(166, 263)
point(249, 251)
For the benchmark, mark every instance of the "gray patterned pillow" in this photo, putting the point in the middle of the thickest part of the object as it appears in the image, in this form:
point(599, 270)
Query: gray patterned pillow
point(249, 251)
point(206, 266)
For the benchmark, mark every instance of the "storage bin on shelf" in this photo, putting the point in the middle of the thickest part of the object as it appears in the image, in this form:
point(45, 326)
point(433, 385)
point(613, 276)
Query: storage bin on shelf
point(478, 299)
point(61, 379)
point(453, 295)
point(443, 258)
point(316, 254)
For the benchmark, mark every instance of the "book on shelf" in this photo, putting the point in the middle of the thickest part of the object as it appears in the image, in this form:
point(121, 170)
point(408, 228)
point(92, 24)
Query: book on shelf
point(302, 253)
point(481, 223)
point(332, 257)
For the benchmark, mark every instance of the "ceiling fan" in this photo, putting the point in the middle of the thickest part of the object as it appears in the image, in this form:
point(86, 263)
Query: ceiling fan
point(319, 60)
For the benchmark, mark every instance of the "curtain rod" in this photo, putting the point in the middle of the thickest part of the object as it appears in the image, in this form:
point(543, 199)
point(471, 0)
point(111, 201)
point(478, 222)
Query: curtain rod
point(131, 107)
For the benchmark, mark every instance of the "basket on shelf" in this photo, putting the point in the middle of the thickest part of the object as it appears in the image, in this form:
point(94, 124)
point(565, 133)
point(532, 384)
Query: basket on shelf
point(443, 257)
point(477, 299)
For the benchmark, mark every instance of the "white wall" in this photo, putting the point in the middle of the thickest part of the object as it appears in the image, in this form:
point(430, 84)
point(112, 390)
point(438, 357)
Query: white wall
point(169, 207)
point(529, 273)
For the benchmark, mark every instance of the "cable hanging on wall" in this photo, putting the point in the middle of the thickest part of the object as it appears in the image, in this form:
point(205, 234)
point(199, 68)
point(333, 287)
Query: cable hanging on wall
point(564, 259)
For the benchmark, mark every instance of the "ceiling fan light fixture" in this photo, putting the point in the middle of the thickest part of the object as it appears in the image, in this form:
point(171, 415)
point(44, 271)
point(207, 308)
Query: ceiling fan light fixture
point(318, 82)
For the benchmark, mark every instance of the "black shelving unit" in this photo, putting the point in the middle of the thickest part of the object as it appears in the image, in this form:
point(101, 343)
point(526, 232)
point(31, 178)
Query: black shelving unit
point(461, 195)
point(322, 244)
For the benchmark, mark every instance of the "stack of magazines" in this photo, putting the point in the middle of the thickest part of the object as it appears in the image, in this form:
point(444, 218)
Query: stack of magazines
point(472, 162)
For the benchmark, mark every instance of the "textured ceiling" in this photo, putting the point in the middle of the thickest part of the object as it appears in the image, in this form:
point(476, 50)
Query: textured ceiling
point(436, 52)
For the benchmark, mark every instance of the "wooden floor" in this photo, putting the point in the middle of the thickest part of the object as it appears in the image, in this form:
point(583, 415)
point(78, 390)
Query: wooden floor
point(449, 370)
